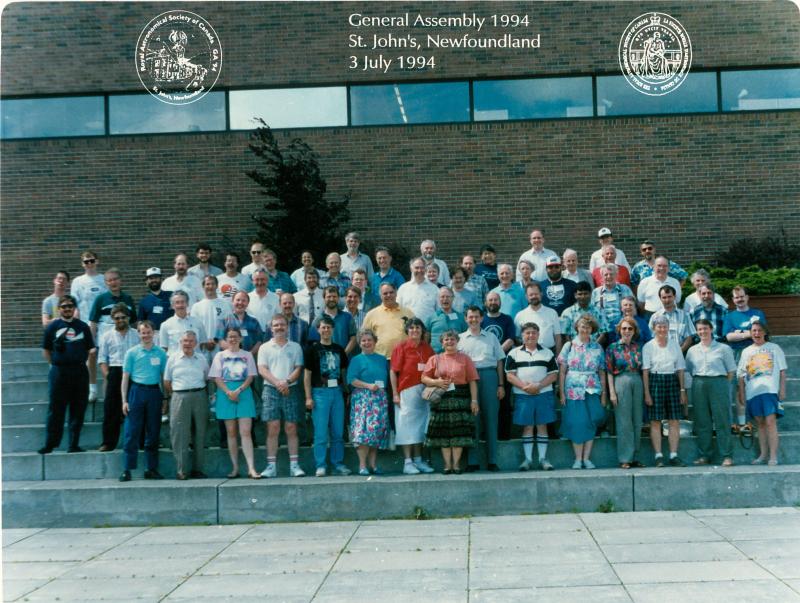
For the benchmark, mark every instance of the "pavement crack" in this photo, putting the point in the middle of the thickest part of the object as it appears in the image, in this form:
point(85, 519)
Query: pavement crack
point(335, 561)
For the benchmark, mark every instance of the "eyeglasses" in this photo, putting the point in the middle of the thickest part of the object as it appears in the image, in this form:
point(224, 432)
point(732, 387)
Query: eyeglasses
point(255, 252)
point(67, 306)
point(89, 261)
point(647, 248)
point(626, 328)
point(120, 317)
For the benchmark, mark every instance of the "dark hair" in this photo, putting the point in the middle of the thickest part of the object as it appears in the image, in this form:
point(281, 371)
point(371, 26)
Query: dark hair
point(233, 330)
point(234, 254)
point(703, 321)
point(355, 290)
point(667, 288)
point(488, 247)
point(145, 323)
point(211, 276)
point(331, 289)
point(583, 286)
point(65, 273)
point(474, 308)
point(120, 307)
point(413, 322)
point(529, 325)
point(203, 247)
point(327, 320)
point(763, 326)
point(533, 284)
point(69, 298)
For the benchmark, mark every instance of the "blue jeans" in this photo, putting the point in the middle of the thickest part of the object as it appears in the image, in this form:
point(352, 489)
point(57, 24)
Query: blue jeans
point(144, 412)
point(328, 417)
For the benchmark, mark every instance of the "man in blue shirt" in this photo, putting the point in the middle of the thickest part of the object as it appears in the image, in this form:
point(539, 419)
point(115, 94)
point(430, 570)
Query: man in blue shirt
point(501, 326)
point(385, 273)
point(557, 293)
point(154, 306)
point(66, 345)
point(488, 268)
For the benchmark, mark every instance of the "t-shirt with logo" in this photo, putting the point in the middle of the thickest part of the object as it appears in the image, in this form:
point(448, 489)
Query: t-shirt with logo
point(559, 295)
point(68, 342)
point(326, 363)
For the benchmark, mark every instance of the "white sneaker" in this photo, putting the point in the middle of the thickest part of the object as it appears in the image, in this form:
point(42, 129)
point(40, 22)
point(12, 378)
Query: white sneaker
point(164, 418)
point(577, 464)
point(321, 472)
point(410, 469)
point(270, 471)
point(525, 465)
point(296, 471)
point(341, 470)
point(92, 393)
point(546, 465)
point(587, 464)
point(423, 467)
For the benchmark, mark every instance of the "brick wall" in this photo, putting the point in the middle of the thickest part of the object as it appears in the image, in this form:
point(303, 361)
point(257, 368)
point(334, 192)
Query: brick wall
point(690, 182)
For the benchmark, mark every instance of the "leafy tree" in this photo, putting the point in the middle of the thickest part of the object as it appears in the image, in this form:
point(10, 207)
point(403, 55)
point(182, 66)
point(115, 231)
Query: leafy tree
point(768, 252)
point(296, 214)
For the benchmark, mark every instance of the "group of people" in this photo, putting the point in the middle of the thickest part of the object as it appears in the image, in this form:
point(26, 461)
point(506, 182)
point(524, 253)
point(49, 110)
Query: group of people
point(439, 360)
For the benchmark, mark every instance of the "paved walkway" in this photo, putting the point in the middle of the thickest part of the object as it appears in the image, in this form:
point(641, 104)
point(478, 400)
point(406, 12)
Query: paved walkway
point(726, 555)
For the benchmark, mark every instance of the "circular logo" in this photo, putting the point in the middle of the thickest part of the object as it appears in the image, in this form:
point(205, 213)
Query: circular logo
point(655, 54)
point(178, 57)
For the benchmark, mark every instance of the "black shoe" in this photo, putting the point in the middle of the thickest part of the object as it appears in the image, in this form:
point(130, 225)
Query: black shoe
point(152, 474)
point(676, 462)
point(197, 475)
point(473, 468)
point(125, 476)
point(45, 450)
point(492, 467)
point(75, 449)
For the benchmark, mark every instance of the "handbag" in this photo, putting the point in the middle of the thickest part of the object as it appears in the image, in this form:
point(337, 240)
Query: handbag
point(432, 393)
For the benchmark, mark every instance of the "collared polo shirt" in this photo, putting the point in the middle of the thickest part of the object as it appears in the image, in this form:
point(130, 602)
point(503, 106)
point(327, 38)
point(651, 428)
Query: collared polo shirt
point(647, 293)
point(444, 321)
point(186, 372)
point(169, 336)
point(388, 325)
point(145, 366)
point(713, 361)
point(484, 348)
point(546, 318)
point(280, 360)
point(420, 298)
point(531, 365)
point(662, 360)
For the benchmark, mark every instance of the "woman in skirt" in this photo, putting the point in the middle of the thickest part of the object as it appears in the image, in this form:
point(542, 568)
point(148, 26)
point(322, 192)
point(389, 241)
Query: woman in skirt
point(664, 390)
point(411, 411)
point(582, 387)
point(452, 424)
point(369, 413)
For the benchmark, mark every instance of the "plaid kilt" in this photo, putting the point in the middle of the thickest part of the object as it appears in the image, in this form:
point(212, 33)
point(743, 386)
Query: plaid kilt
point(277, 406)
point(666, 394)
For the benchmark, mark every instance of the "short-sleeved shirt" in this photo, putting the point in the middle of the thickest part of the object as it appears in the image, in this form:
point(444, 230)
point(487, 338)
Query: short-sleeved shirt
point(169, 336)
point(663, 360)
point(198, 272)
point(362, 260)
point(388, 325)
point(512, 300)
point(645, 334)
point(464, 299)
point(622, 357)
point(408, 361)
point(233, 366)
point(280, 360)
point(715, 315)
point(264, 308)
point(211, 313)
point(186, 372)
point(156, 308)
point(623, 276)
point(477, 285)
point(484, 349)
point(145, 366)
point(85, 289)
point(341, 282)
point(190, 284)
point(50, 306)
point(420, 298)
point(104, 303)
point(298, 331)
point(546, 318)
point(693, 300)
point(280, 281)
point(325, 362)
point(539, 261)
point(596, 259)
point(581, 274)
point(114, 345)
point(643, 269)
point(344, 327)
point(583, 362)
point(443, 321)
point(609, 301)
point(489, 273)
point(713, 361)
point(68, 342)
point(228, 286)
point(574, 312)
point(458, 367)
point(736, 320)
point(392, 276)
point(248, 326)
point(680, 324)
point(531, 365)
point(558, 295)
point(369, 368)
point(501, 326)
point(647, 293)
point(761, 367)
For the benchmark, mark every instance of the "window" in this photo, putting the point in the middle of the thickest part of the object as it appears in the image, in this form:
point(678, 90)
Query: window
point(755, 90)
point(533, 98)
point(50, 117)
point(143, 114)
point(289, 108)
point(409, 103)
point(697, 94)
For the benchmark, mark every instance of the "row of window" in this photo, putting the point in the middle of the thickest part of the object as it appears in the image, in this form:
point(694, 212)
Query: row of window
point(383, 104)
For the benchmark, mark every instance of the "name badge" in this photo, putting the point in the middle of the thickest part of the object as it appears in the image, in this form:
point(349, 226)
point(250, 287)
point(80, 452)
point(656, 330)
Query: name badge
point(333, 382)
point(452, 316)
point(155, 361)
point(380, 384)
point(451, 387)
point(611, 297)
point(420, 366)
point(158, 309)
point(244, 332)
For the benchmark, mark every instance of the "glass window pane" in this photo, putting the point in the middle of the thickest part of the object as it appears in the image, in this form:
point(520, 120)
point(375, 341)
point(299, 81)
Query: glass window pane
point(289, 108)
point(534, 98)
point(757, 90)
point(409, 103)
point(143, 114)
point(697, 94)
point(42, 117)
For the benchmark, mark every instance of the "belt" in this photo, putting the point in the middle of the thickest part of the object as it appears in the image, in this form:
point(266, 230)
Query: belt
point(153, 386)
point(188, 391)
point(710, 376)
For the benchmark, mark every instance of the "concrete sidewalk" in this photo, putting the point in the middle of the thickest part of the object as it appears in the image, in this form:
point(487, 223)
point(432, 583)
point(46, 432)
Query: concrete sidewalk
point(726, 555)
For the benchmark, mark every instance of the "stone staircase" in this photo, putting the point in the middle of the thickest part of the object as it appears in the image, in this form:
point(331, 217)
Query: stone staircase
point(81, 489)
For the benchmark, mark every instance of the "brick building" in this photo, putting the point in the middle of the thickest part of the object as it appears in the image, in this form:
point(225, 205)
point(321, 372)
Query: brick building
point(137, 198)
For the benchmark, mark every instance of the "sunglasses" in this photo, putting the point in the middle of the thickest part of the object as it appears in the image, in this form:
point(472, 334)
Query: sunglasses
point(647, 249)
point(89, 261)
point(67, 306)
point(255, 252)
point(121, 317)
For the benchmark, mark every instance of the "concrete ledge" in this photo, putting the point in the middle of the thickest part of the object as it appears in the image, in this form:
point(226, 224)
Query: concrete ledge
point(704, 488)
point(25, 391)
point(23, 466)
point(105, 502)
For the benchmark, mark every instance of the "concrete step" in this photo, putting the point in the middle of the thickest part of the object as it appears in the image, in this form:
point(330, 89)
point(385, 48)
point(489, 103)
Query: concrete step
point(28, 390)
point(93, 464)
point(790, 344)
point(23, 371)
point(35, 413)
point(107, 502)
point(9, 355)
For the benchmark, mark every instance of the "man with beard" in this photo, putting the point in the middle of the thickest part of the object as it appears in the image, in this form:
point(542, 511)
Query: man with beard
point(344, 329)
point(428, 251)
point(183, 281)
point(154, 306)
point(501, 326)
point(204, 267)
point(232, 281)
point(558, 293)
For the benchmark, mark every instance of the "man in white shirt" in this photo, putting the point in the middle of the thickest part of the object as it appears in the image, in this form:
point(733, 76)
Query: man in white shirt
point(85, 289)
point(428, 250)
point(648, 292)
point(309, 302)
point(263, 302)
point(536, 255)
point(183, 281)
point(232, 281)
point(681, 327)
point(546, 318)
point(353, 258)
point(203, 267)
point(169, 336)
point(257, 255)
point(211, 311)
point(418, 295)
point(699, 279)
point(571, 270)
point(605, 237)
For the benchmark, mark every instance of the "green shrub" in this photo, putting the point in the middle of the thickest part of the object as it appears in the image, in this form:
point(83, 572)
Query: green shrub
point(768, 252)
point(757, 281)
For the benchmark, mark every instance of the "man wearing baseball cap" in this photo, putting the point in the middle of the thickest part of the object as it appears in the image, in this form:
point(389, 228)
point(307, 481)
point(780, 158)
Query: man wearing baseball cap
point(605, 237)
point(557, 293)
point(154, 306)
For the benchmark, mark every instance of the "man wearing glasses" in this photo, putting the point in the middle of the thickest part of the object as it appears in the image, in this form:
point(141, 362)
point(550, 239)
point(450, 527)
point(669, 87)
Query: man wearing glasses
point(66, 345)
point(257, 257)
point(111, 354)
point(85, 289)
point(646, 266)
